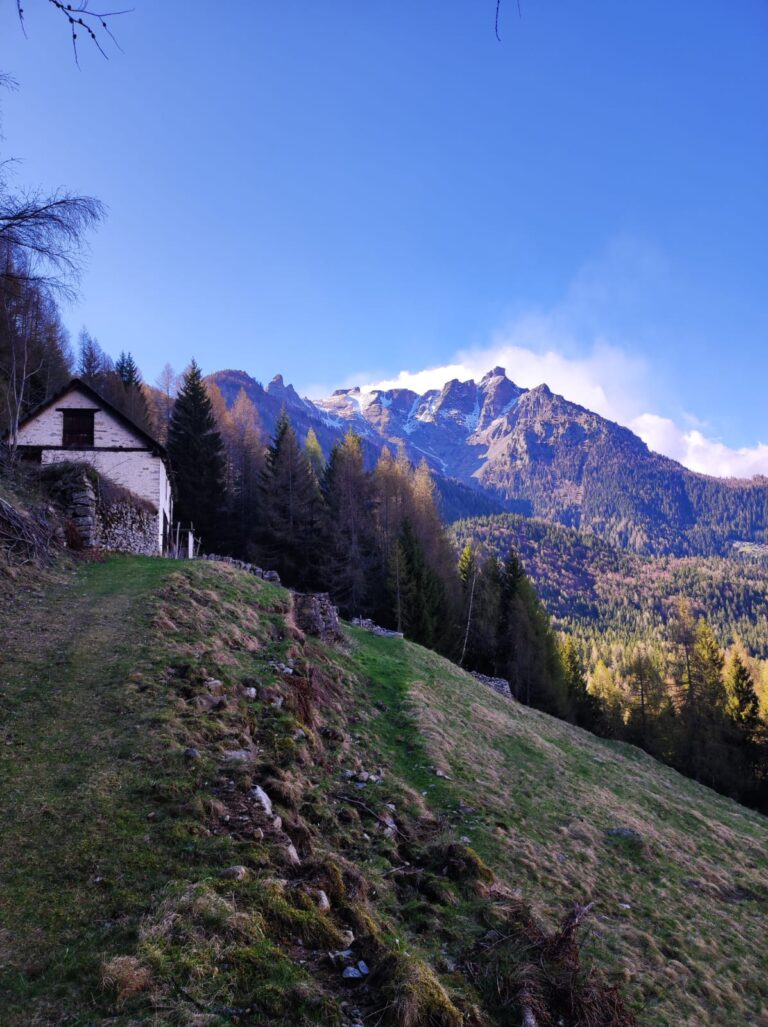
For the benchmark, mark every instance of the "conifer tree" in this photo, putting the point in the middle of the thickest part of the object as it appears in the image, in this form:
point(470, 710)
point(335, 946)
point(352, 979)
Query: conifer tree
point(131, 399)
point(584, 705)
point(197, 456)
point(290, 505)
point(420, 601)
point(314, 454)
point(742, 704)
point(352, 560)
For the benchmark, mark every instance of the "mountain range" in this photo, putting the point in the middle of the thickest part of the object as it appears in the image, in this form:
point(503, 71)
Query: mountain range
point(496, 447)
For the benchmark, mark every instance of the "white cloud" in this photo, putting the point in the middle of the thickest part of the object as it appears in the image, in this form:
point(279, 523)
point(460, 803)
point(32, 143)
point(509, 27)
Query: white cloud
point(693, 449)
point(572, 348)
point(607, 379)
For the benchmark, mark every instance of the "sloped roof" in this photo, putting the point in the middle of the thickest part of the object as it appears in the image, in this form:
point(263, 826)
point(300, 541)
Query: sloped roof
point(92, 394)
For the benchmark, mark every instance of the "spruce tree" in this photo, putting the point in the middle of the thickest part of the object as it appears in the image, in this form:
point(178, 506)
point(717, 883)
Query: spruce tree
point(197, 457)
point(351, 560)
point(742, 704)
point(420, 600)
point(584, 705)
point(290, 521)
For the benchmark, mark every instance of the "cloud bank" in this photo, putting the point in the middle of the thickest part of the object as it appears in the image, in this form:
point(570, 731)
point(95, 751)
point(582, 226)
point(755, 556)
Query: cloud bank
point(608, 380)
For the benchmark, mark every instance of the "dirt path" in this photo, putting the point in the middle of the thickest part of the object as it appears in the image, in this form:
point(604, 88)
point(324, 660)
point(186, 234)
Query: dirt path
point(68, 756)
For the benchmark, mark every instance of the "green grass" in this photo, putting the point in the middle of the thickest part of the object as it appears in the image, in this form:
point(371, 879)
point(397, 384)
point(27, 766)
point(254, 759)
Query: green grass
point(113, 906)
point(688, 949)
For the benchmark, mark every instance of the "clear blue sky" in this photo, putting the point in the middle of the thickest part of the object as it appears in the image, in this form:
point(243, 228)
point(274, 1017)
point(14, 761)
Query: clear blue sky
point(330, 188)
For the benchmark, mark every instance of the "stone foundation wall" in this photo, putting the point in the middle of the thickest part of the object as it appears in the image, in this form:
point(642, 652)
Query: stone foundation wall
point(104, 516)
point(126, 528)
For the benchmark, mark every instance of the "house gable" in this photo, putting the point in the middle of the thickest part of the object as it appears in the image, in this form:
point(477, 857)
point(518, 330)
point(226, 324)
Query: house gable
point(45, 426)
point(80, 426)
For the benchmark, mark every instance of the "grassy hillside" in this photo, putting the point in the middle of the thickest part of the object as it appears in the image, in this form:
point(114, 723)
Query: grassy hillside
point(448, 829)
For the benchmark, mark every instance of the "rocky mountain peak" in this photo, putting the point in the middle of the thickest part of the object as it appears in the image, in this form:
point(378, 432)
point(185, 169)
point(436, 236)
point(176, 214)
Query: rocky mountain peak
point(495, 372)
point(280, 390)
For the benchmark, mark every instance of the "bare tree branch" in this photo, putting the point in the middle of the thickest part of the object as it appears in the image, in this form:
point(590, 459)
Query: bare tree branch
point(50, 230)
point(82, 20)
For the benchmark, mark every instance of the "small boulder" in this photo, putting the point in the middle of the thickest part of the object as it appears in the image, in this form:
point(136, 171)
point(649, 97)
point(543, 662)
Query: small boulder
point(236, 873)
point(262, 799)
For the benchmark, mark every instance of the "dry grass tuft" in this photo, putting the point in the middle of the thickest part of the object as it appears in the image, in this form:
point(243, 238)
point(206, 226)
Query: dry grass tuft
point(126, 976)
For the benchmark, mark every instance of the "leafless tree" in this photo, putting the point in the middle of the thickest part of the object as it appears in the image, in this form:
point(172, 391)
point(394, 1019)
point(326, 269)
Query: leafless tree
point(49, 231)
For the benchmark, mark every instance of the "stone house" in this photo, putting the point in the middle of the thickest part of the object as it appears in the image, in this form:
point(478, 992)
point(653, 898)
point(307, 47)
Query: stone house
point(78, 425)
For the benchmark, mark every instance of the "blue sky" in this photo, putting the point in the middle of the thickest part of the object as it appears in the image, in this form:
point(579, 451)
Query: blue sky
point(343, 192)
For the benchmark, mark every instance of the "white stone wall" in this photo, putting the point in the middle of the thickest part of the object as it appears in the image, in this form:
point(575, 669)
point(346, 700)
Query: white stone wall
point(119, 453)
point(47, 428)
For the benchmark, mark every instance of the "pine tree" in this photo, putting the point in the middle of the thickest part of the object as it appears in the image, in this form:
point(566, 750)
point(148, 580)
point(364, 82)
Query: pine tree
point(131, 399)
point(197, 456)
point(352, 561)
point(742, 704)
point(92, 362)
point(420, 600)
point(527, 652)
point(586, 709)
point(290, 522)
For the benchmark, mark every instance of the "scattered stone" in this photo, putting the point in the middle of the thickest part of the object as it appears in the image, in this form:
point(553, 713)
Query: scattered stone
point(363, 775)
point(210, 702)
point(348, 938)
point(292, 854)
point(263, 799)
point(299, 735)
point(499, 685)
point(599, 760)
point(214, 686)
point(236, 873)
point(323, 902)
point(360, 785)
point(250, 692)
point(316, 615)
point(363, 968)
point(351, 973)
point(442, 774)
point(340, 957)
point(238, 756)
point(271, 576)
point(277, 823)
point(191, 753)
point(624, 905)
point(465, 840)
point(348, 774)
point(629, 833)
point(368, 625)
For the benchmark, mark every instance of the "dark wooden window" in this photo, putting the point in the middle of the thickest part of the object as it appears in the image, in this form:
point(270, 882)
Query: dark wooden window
point(78, 429)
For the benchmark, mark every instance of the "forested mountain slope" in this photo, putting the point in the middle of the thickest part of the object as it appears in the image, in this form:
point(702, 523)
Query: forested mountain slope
point(535, 453)
point(586, 583)
point(187, 830)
